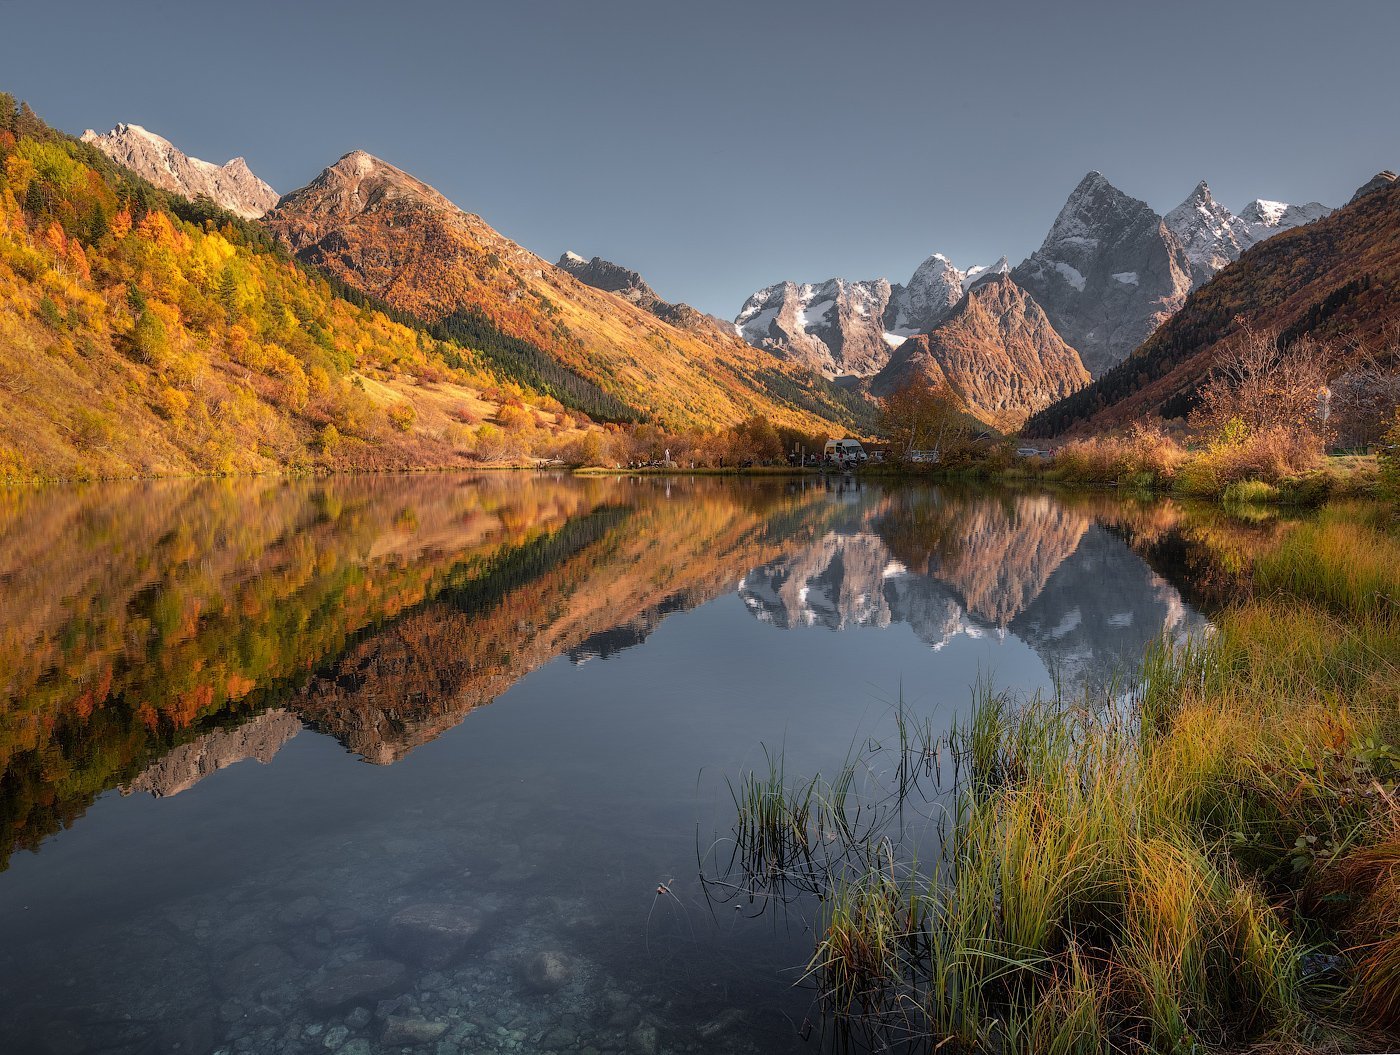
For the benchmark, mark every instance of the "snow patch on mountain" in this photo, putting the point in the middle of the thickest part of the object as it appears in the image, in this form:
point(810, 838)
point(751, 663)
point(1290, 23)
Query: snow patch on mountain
point(976, 273)
point(1070, 274)
point(1265, 219)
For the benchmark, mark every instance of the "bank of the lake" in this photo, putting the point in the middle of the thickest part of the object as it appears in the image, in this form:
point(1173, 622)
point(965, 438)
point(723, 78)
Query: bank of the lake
point(1208, 863)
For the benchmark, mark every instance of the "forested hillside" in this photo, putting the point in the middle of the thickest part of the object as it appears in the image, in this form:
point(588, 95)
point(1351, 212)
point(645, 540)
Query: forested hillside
point(146, 334)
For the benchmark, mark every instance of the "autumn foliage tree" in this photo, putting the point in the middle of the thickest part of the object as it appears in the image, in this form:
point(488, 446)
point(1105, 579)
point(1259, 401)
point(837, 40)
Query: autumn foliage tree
point(1261, 384)
point(919, 416)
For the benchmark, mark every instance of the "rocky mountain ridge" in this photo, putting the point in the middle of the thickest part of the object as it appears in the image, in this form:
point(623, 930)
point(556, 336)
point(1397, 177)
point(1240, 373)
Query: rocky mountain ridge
point(1332, 279)
point(388, 234)
point(1107, 274)
point(849, 328)
point(231, 185)
point(1214, 237)
point(996, 349)
point(631, 287)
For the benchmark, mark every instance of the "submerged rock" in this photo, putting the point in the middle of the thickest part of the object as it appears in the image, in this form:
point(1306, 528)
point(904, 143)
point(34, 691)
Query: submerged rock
point(411, 1030)
point(548, 970)
point(646, 1039)
point(358, 1018)
point(300, 912)
point(721, 1023)
point(260, 968)
point(432, 935)
point(355, 982)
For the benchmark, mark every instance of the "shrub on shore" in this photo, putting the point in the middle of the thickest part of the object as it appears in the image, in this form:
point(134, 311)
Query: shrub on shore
point(1272, 465)
point(1143, 454)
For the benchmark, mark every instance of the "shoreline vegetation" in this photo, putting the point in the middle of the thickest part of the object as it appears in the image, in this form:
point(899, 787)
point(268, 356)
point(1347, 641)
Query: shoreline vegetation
point(1334, 478)
point(1207, 862)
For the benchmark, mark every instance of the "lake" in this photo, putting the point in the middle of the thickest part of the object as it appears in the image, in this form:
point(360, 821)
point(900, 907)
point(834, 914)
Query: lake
point(432, 763)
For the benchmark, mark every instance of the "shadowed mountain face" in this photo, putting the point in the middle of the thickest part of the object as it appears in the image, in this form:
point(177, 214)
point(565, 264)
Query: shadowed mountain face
point(1332, 280)
point(159, 633)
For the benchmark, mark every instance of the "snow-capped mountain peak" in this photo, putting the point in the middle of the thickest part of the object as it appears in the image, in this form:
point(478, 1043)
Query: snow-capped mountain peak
point(975, 274)
point(1107, 273)
point(849, 328)
point(836, 326)
point(155, 158)
point(1266, 218)
point(1213, 236)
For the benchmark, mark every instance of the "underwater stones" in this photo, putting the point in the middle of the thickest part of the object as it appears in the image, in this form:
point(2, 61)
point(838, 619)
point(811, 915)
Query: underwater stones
point(335, 1037)
point(358, 1018)
point(721, 1023)
point(645, 1039)
point(259, 968)
point(399, 1030)
point(355, 982)
point(547, 970)
point(558, 1039)
point(432, 935)
point(299, 912)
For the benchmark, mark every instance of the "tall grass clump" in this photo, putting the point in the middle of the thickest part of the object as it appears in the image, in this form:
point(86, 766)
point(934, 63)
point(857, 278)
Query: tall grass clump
point(1351, 566)
point(1209, 862)
point(1143, 456)
point(1271, 456)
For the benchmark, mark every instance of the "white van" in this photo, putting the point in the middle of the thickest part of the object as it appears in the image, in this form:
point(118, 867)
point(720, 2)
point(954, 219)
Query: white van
point(844, 452)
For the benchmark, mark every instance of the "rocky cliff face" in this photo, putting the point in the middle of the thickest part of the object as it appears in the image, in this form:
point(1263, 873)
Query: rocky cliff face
point(997, 350)
point(611, 278)
point(231, 185)
point(1333, 279)
point(1213, 236)
point(1108, 273)
point(188, 764)
point(1383, 180)
point(835, 327)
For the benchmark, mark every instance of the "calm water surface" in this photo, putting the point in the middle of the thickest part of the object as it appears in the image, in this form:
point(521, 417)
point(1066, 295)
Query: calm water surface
point(370, 765)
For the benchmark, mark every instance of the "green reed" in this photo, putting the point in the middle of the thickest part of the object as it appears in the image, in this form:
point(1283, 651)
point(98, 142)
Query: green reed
point(1162, 870)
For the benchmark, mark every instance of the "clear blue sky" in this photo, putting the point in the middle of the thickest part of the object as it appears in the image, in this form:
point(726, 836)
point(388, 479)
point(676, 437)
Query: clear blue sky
point(719, 146)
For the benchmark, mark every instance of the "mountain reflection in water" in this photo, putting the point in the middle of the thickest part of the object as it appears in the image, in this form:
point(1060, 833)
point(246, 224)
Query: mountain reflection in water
point(142, 620)
point(632, 633)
